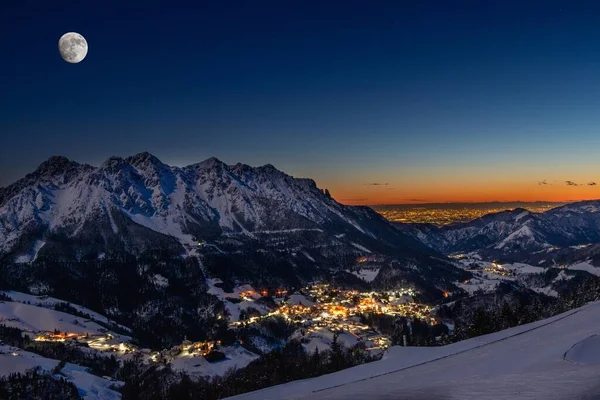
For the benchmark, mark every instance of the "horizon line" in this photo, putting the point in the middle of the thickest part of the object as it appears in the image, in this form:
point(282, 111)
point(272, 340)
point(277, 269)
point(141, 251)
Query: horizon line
point(478, 202)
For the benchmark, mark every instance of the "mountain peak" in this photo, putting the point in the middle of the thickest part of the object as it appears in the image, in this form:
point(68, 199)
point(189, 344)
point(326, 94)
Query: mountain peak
point(210, 163)
point(55, 165)
point(270, 169)
point(144, 160)
point(113, 164)
point(54, 161)
point(143, 157)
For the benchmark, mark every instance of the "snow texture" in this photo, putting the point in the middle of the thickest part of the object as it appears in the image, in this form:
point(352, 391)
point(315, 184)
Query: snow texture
point(322, 338)
point(585, 352)
point(525, 362)
point(62, 195)
point(90, 387)
point(367, 275)
point(296, 299)
point(236, 357)
point(34, 319)
point(585, 266)
point(50, 302)
point(234, 309)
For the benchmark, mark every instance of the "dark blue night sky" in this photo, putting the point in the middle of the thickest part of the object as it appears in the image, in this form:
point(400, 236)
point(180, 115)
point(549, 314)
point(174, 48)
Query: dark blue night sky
point(416, 93)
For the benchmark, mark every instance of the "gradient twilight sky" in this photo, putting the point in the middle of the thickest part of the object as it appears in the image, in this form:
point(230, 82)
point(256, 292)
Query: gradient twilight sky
point(433, 100)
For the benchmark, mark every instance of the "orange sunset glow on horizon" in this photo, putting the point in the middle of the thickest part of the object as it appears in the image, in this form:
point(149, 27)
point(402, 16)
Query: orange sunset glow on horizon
point(381, 194)
point(522, 177)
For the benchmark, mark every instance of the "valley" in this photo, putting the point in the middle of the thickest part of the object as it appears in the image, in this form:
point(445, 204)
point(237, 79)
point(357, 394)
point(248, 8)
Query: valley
point(218, 273)
point(322, 310)
point(448, 213)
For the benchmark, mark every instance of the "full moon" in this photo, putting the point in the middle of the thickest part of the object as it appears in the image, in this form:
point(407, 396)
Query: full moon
point(72, 47)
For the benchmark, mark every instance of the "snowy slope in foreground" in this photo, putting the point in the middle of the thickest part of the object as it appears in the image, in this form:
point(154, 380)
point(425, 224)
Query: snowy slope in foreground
point(36, 319)
point(525, 362)
point(89, 386)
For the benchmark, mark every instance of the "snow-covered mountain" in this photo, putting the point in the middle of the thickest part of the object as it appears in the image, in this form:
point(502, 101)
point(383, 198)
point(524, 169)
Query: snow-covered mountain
point(136, 205)
point(202, 200)
point(515, 232)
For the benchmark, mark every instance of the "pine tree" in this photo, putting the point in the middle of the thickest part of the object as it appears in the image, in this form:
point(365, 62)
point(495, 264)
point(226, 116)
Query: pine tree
point(316, 363)
point(358, 355)
point(481, 324)
point(444, 339)
point(508, 318)
point(397, 333)
point(336, 356)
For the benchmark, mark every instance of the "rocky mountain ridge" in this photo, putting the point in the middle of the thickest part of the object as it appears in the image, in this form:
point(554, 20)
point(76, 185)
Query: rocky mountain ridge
point(135, 205)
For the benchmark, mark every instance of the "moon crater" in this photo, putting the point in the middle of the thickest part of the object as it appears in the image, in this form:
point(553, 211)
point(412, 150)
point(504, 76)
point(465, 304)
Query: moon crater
point(72, 47)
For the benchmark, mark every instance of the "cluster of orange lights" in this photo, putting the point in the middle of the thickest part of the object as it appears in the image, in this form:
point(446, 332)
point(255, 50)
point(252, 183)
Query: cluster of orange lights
point(337, 310)
point(332, 306)
point(203, 348)
point(247, 295)
point(57, 337)
point(295, 310)
point(276, 292)
point(368, 302)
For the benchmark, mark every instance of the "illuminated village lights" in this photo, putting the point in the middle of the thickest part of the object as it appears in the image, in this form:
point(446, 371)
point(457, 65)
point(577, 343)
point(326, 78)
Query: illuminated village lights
point(200, 348)
point(337, 310)
point(56, 336)
point(105, 342)
point(249, 295)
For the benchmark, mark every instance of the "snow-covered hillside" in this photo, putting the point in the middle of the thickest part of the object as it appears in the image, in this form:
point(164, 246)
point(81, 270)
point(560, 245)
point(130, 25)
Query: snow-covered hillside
point(39, 320)
point(514, 232)
point(236, 357)
point(242, 298)
point(90, 387)
point(487, 276)
point(556, 358)
point(36, 319)
point(51, 302)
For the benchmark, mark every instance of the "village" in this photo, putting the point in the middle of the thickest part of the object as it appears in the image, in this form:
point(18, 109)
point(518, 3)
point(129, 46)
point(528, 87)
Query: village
point(316, 310)
point(320, 307)
point(110, 344)
point(101, 342)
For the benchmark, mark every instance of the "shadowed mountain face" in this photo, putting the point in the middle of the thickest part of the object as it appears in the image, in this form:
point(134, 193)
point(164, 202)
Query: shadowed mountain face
point(256, 224)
